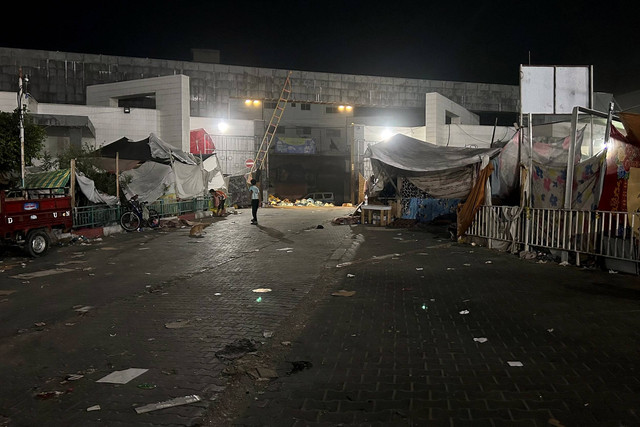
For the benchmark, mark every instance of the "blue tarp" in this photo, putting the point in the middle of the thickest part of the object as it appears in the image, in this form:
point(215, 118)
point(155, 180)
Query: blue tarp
point(426, 210)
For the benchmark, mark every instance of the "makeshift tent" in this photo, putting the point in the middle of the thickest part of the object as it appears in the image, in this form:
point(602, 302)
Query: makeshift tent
point(201, 142)
point(152, 180)
point(440, 172)
point(622, 157)
point(132, 153)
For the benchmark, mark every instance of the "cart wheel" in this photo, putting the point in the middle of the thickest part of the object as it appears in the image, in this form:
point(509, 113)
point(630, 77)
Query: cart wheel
point(37, 243)
point(130, 221)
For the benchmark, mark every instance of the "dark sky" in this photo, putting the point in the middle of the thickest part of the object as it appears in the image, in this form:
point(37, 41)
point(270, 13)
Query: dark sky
point(481, 41)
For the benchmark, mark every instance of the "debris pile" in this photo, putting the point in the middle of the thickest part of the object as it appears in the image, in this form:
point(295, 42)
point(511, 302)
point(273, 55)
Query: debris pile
point(275, 201)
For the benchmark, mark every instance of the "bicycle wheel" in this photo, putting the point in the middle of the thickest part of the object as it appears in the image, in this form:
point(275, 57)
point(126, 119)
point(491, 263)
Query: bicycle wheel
point(154, 218)
point(130, 221)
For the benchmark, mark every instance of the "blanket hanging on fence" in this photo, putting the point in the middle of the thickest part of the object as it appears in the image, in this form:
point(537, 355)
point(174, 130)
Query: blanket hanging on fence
point(548, 185)
point(467, 210)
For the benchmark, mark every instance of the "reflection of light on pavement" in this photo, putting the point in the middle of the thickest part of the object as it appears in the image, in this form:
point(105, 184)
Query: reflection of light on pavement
point(259, 299)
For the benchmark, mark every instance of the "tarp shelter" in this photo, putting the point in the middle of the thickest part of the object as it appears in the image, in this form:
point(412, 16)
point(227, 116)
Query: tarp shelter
point(201, 142)
point(132, 153)
point(441, 172)
point(52, 179)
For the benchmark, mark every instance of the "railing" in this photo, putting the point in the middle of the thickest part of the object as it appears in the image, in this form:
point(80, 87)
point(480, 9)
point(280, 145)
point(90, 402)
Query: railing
point(600, 233)
point(103, 215)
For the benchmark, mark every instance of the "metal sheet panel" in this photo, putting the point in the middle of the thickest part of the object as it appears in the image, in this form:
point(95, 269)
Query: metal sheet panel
point(536, 89)
point(572, 89)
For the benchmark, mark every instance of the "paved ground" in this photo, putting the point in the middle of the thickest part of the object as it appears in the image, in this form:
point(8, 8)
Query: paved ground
point(426, 339)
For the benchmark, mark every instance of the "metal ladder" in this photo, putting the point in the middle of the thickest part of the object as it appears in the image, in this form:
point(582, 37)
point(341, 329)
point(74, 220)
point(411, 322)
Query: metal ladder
point(267, 139)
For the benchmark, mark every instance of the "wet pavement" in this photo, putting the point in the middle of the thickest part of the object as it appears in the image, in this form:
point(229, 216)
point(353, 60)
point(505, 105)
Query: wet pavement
point(426, 331)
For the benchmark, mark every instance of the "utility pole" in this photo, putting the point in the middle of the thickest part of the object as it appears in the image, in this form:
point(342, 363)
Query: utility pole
point(21, 112)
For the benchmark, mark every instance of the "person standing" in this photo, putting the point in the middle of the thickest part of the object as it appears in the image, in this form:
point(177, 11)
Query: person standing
point(255, 201)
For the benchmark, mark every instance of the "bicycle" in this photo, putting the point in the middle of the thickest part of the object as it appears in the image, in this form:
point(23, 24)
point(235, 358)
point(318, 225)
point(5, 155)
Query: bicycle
point(138, 215)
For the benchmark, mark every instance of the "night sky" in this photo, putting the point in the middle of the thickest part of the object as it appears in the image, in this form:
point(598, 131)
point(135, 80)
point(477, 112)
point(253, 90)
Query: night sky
point(482, 41)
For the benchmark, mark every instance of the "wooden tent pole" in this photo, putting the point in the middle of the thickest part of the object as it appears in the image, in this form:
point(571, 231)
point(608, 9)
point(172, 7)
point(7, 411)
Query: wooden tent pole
point(118, 176)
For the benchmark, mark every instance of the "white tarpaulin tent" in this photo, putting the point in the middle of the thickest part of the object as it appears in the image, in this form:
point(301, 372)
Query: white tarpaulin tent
point(441, 172)
point(152, 180)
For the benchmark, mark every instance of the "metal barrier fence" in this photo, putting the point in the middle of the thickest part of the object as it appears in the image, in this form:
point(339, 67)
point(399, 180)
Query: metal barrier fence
point(103, 215)
point(601, 233)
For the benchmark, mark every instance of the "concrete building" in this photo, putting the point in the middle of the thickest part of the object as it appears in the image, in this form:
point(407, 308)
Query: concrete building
point(96, 99)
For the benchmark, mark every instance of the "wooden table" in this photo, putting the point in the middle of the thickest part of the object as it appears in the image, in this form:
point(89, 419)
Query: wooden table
point(385, 214)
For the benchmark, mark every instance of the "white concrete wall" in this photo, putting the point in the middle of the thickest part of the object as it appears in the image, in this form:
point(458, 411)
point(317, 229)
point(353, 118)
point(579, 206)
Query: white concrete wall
point(437, 107)
point(111, 123)
point(172, 103)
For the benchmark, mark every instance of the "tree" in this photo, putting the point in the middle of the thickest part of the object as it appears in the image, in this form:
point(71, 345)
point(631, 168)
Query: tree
point(34, 137)
point(87, 163)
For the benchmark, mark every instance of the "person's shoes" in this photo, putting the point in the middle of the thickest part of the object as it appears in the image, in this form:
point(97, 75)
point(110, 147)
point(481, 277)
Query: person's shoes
point(253, 221)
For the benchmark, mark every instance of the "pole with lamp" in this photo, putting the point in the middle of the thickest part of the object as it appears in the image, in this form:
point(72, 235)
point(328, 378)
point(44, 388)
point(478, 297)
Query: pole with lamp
point(21, 108)
point(348, 111)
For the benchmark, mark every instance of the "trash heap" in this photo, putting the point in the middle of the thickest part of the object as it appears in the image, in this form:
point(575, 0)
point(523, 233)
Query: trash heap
point(275, 201)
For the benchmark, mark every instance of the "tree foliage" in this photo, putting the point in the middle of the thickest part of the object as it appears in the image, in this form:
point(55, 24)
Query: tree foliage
point(85, 163)
point(34, 137)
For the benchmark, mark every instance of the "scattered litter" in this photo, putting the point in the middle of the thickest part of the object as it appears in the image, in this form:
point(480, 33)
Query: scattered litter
point(300, 365)
point(40, 324)
point(344, 264)
point(488, 262)
point(48, 394)
point(147, 386)
point(424, 306)
point(344, 293)
point(419, 268)
point(286, 343)
point(262, 374)
point(351, 275)
point(464, 312)
point(93, 408)
point(237, 349)
point(217, 294)
point(73, 377)
point(285, 249)
point(82, 309)
point(480, 340)
point(122, 377)
point(450, 268)
point(185, 400)
point(555, 423)
point(262, 290)
point(267, 334)
point(467, 265)
point(515, 363)
point(613, 272)
point(42, 273)
point(178, 324)
point(550, 330)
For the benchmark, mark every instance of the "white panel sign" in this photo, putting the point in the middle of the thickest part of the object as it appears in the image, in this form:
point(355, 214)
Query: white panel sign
point(536, 90)
point(554, 90)
point(572, 89)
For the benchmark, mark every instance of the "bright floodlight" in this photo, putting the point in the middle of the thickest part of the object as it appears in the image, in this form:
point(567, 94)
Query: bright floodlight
point(247, 102)
point(222, 126)
point(341, 108)
point(386, 134)
point(256, 102)
point(349, 108)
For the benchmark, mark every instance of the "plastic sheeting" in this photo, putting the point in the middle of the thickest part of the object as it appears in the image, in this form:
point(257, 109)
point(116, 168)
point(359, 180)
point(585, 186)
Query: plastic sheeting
point(88, 188)
point(412, 155)
point(149, 181)
point(453, 184)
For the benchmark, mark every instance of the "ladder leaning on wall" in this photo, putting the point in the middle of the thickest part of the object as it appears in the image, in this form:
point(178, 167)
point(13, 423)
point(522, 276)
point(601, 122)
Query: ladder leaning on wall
point(267, 139)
